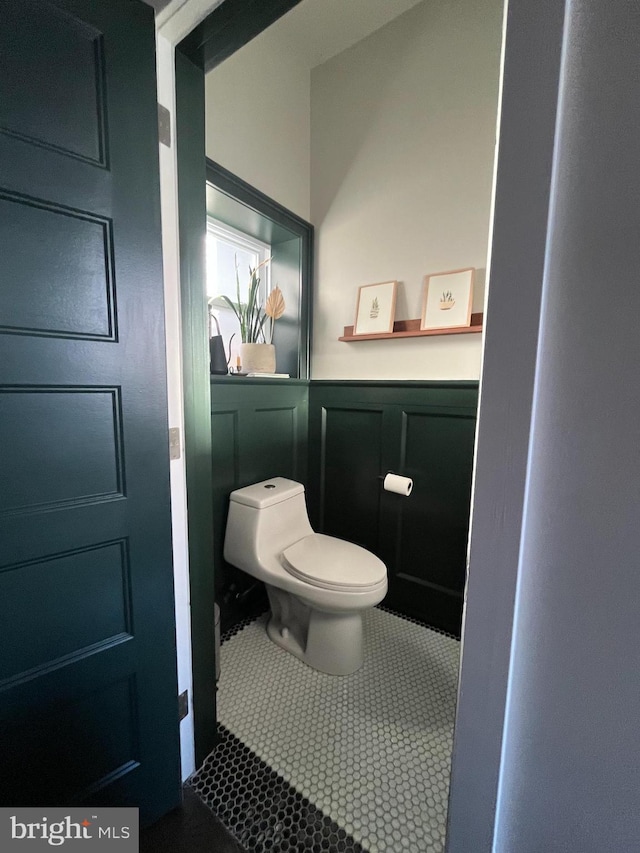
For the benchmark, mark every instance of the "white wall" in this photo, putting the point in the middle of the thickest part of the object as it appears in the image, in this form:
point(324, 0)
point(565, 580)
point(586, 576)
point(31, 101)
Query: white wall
point(258, 120)
point(403, 131)
point(388, 149)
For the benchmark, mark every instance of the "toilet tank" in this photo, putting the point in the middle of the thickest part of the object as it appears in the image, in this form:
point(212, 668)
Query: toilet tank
point(263, 520)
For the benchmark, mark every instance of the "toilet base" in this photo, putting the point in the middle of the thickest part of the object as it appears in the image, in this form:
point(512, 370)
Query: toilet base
point(329, 642)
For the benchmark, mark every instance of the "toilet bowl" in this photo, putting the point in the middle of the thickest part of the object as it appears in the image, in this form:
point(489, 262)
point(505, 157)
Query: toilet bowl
point(318, 586)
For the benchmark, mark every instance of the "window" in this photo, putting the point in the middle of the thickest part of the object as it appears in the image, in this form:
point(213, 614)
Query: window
point(225, 248)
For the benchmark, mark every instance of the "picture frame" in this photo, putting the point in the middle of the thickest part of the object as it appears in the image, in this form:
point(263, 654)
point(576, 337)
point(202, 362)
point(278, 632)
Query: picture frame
point(376, 308)
point(447, 299)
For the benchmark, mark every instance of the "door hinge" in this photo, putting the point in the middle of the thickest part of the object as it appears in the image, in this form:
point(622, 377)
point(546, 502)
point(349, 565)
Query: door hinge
point(183, 705)
point(164, 125)
point(174, 443)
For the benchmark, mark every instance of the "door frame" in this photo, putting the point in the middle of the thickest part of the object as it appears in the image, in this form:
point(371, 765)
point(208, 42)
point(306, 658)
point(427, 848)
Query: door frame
point(192, 38)
point(524, 156)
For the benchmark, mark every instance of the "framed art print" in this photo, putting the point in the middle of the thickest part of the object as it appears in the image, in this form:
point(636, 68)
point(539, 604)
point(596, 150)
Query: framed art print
point(376, 308)
point(447, 298)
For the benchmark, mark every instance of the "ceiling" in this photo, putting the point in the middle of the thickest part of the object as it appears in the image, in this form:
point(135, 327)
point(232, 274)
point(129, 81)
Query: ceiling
point(316, 30)
point(158, 4)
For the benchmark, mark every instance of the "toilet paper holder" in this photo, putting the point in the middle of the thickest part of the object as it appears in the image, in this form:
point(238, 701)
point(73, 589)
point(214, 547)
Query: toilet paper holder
point(396, 483)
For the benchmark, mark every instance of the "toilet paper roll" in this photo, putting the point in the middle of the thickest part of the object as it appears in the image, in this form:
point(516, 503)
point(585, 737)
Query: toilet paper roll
point(397, 484)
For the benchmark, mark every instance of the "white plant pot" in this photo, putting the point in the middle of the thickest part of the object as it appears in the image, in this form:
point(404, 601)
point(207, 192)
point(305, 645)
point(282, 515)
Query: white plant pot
point(258, 358)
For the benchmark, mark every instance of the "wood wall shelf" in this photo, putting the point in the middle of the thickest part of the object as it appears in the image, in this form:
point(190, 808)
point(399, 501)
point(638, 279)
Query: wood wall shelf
point(411, 329)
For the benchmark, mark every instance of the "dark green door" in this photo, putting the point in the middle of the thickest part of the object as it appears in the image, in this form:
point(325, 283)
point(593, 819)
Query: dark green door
point(88, 708)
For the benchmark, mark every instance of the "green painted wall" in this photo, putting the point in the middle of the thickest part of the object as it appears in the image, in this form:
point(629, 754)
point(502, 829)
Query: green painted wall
point(197, 437)
point(359, 431)
point(339, 439)
point(259, 430)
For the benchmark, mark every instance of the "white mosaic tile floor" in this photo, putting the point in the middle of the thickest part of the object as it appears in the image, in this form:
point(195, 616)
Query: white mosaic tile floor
point(372, 749)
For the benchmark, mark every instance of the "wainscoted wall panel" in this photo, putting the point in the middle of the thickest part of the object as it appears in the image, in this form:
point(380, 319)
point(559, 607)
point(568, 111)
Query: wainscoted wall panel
point(360, 430)
point(258, 430)
point(436, 451)
point(270, 441)
point(350, 473)
point(356, 432)
point(226, 449)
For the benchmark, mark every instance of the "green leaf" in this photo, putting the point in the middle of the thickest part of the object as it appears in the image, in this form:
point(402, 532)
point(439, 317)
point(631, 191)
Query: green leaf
point(260, 329)
point(240, 314)
point(235, 308)
point(251, 315)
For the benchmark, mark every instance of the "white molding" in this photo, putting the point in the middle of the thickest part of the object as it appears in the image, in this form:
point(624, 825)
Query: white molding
point(177, 471)
point(180, 17)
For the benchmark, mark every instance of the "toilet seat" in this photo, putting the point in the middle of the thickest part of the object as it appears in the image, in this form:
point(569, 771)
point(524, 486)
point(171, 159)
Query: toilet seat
point(330, 563)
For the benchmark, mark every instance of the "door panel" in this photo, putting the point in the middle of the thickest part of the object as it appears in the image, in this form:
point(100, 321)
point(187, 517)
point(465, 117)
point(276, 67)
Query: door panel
point(63, 106)
point(101, 726)
point(72, 256)
point(65, 446)
point(88, 706)
point(49, 629)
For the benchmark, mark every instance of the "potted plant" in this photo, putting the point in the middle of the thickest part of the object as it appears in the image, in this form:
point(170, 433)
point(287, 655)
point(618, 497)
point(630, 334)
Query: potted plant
point(256, 353)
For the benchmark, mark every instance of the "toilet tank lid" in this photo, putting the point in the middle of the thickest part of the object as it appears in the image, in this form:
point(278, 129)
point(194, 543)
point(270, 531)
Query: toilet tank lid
point(267, 493)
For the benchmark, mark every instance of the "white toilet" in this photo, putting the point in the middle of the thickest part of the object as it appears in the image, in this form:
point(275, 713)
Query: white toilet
point(318, 585)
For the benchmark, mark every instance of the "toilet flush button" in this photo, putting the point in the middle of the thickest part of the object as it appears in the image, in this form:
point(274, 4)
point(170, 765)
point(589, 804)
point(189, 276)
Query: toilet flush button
point(284, 633)
point(270, 486)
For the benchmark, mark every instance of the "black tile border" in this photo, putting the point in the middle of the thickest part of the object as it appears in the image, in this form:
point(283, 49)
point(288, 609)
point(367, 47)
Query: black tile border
point(190, 828)
point(235, 629)
point(417, 622)
point(262, 811)
point(260, 808)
